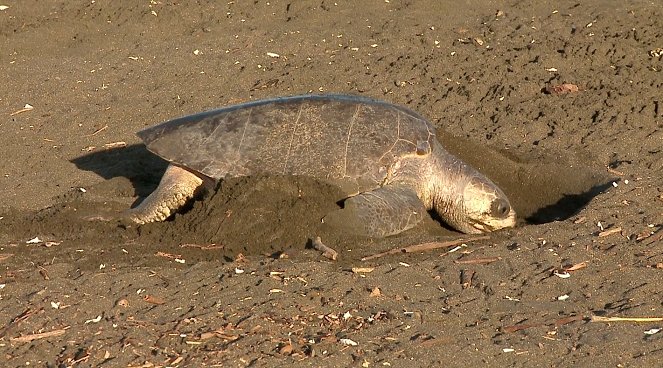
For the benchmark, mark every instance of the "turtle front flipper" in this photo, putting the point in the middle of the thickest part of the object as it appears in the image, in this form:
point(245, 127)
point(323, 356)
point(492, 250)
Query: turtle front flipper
point(385, 211)
point(176, 188)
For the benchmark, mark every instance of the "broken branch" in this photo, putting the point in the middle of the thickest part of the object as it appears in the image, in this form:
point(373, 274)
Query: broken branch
point(625, 319)
point(487, 260)
point(43, 335)
point(425, 247)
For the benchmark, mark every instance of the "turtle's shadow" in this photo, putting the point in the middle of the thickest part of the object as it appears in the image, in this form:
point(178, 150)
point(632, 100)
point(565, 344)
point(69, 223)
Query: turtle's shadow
point(143, 168)
point(567, 206)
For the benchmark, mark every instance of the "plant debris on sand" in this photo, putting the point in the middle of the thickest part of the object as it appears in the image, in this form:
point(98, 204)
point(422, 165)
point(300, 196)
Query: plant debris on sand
point(559, 104)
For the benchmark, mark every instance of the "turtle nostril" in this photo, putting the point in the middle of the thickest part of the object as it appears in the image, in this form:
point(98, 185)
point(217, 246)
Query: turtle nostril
point(500, 208)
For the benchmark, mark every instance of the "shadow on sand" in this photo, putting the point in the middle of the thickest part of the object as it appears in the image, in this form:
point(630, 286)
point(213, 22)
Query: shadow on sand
point(143, 168)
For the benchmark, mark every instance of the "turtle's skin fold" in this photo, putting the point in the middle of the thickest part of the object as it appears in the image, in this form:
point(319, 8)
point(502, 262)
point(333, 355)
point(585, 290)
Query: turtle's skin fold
point(385, 158)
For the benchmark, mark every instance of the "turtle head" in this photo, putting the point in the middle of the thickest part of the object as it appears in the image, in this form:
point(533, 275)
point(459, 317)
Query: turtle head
point(481, 208)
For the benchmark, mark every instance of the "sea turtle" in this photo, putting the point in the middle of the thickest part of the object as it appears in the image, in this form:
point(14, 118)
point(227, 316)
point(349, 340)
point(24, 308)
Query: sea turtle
point(385, 159)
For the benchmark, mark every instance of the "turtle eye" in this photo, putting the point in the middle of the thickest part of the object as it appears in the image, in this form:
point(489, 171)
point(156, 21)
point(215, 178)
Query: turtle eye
point(499, 208)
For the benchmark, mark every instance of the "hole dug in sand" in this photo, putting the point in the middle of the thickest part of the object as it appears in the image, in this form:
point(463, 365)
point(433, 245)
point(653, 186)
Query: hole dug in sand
point(542, 186)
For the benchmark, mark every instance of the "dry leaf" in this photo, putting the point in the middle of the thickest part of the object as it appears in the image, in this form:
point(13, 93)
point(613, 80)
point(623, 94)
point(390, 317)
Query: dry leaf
point(362, 269)
point(577, 266)
point(286, 349)
point(375, 292)
point(153, 300)
point(561, 89)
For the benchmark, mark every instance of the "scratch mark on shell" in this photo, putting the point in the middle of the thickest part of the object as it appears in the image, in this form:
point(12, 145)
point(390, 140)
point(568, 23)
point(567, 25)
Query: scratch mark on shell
point(292, 138)
point(241, 140)
point(347, 141)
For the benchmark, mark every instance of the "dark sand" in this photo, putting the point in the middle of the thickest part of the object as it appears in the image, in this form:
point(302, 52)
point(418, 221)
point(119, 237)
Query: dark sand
point(179, 293)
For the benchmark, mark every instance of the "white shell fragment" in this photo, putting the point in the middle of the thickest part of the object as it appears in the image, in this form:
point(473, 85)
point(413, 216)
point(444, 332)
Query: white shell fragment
point(94, 320)
point(653, 331)
point(348, 342)
point(562, 275)
point(34, 240)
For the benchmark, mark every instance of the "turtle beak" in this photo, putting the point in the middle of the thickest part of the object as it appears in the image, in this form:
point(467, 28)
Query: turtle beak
point(492, 224)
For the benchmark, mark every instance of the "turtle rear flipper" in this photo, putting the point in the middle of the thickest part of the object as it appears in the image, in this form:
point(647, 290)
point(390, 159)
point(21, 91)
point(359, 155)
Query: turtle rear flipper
point(176, 188)
point(385, 211)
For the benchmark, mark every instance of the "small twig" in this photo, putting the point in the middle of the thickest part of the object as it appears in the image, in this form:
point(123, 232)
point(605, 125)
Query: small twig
point(168, 255)
point(43, 335)
point(43, 273)
point(424, 247)
point(611, 231)
point(657, 238)
point(487, 260)
point(556, 323)
point(97, 131)
point(21, 317)
point(625, 319)
point(362, 269)
point(120, 144)
point(567, 320)
point(327, 252)
point(27, 107)
point(203, 247)
point(576, 267)
point(613, 171)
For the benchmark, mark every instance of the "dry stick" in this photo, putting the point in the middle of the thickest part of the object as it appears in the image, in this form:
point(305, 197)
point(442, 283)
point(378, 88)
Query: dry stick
point(326, 251)
point(425, 247)
point(478, 260)
point(25, 109)
point(21, 317)
point(97, 131)
point(611, 231)
point(657, 238)
point(120, 144)
point(625, 319)
point(43, 335)
point(556, 323)
point(613, 171)
point(203, 247)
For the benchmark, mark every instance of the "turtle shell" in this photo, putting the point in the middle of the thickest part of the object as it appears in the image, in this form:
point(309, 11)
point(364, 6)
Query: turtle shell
point(348, 140)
